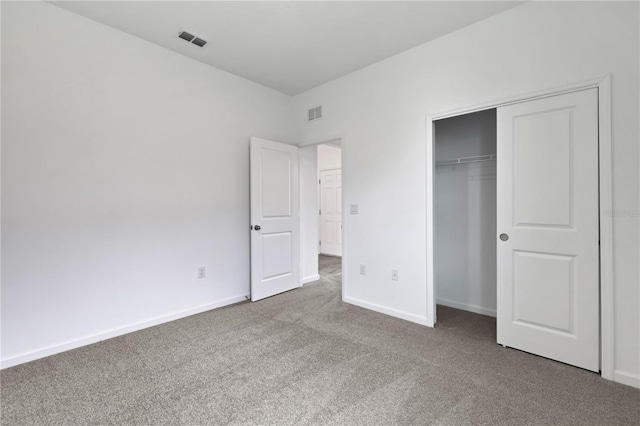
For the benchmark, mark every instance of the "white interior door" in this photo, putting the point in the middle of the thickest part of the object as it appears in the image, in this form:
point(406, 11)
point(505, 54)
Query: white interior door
point(331, 212)
point(548, 268)
point(275, 223)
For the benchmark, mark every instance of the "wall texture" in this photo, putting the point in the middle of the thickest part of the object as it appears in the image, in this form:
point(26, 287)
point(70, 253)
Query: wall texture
point(381, 110)
point(125, 167)
point(329, 157)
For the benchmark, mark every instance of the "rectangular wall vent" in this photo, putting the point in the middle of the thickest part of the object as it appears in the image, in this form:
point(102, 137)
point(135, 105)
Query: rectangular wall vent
point(199, 42)
point(187, 36)
point(315, 113)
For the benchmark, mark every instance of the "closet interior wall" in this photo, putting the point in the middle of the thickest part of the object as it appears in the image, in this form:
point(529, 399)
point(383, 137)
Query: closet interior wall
point(465, 212)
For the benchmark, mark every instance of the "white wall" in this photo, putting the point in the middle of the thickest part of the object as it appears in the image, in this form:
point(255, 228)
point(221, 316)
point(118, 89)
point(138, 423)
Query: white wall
point(465, 214)
point(125, 167)
point(329, 158)
point(381, 110)
point(309, 237)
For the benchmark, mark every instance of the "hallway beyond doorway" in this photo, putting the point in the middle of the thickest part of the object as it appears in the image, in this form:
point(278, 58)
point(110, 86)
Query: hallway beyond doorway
point(329, 266)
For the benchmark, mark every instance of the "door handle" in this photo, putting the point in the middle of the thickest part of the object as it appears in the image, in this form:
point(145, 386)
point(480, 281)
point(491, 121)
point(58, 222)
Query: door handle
point(257, 227)
point(504, 237)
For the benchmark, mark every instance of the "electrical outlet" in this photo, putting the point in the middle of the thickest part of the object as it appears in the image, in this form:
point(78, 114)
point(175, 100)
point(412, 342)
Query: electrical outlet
point(363, 269)
point(394, 274)
point(201, 272)
point(353, 209)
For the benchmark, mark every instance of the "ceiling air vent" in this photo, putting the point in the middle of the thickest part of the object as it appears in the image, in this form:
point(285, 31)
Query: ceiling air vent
point(199, 42)
point(186, 36)
point(315, 113)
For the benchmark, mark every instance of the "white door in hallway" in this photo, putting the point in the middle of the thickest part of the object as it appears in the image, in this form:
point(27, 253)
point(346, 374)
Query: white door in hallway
point(331, 212)
point(548, 262)
point(275, 224)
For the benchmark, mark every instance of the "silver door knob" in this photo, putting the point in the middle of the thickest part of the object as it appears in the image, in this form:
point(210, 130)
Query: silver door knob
point(504, 237)
point(257, 227)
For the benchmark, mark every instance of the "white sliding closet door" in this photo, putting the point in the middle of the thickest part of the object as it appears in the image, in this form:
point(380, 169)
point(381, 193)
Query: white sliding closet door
point(548, 264)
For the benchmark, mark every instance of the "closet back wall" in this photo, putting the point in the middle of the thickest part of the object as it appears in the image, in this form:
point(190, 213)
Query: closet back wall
point(465, 214)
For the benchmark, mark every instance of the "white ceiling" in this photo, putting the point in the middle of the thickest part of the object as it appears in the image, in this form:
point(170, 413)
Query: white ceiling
point(290, 46)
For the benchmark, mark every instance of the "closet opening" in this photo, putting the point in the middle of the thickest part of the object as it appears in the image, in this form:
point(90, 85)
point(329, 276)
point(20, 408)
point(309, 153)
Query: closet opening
point(551, 255)
point(465, 217)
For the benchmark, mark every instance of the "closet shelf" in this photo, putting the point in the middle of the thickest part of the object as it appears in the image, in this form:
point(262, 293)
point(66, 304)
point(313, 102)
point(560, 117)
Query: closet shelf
point(466, 160)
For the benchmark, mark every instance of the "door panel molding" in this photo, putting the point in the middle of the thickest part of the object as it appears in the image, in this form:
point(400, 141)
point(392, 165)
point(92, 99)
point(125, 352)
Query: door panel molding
point(548, 302)
point(330, 211)
point(275, 227)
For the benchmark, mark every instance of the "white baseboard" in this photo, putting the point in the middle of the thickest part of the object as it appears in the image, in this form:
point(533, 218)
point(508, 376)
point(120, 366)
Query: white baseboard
point(466, 307)
point(389, 311)
point(627, 378)
point(310, 279)
point(98, 337)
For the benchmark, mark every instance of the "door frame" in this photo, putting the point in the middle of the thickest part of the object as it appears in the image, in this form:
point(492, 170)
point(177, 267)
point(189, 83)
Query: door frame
point(321, 141)
point(603, 84)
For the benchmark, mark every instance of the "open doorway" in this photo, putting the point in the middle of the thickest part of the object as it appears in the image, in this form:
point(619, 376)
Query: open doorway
point(321, 211)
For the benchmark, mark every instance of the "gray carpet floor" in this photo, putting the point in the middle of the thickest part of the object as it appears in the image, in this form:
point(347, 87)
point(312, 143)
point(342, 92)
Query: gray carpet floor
point(305, 357)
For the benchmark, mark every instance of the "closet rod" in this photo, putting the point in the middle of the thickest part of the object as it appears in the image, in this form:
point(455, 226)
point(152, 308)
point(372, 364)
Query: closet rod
point(465, 160)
